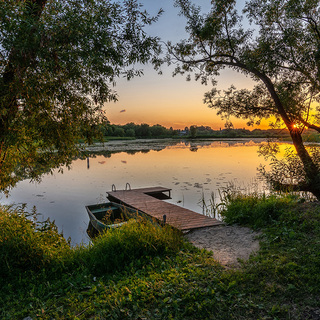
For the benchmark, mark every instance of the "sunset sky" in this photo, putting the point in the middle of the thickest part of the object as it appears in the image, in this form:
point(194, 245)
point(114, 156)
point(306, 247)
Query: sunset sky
point(163, 99)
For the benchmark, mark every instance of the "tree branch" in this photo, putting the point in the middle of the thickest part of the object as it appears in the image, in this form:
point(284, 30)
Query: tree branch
point(237, 64)
point(313, 24)
point(285, 187)
point(309, 125)
point(228, 35)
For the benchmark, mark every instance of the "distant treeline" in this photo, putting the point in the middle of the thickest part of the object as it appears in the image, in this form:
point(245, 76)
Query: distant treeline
point(145, 131)
point(133, 130)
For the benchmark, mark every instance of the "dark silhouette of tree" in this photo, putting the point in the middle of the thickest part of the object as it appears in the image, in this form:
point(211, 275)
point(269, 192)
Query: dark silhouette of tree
point(281, 53)
point(193, 131)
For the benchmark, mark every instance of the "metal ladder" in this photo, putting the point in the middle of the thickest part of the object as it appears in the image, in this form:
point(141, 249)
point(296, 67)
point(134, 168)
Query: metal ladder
point(114, 189)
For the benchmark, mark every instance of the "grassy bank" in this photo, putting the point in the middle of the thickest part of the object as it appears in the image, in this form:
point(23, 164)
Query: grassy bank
point(142, 271)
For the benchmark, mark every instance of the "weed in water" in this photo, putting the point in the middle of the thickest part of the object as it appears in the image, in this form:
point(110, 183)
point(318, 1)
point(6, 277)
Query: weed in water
point(210, 208)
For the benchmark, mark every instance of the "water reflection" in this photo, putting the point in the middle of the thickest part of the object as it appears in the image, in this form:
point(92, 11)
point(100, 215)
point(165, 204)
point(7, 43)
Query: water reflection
point(191, 175)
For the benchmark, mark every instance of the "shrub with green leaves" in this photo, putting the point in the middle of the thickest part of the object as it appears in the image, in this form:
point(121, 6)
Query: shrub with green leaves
point(255, 210)
point(162, 278)
point(131, 244)
point(26, 244)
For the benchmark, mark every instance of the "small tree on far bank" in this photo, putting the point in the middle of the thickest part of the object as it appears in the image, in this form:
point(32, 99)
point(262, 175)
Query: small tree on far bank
point(280, 53)
point(193, 131)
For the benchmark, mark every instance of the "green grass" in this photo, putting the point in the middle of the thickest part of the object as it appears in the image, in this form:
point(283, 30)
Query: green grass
point(26, 244)
point(311, 137)
point(143, 271)
point(255, 210)
point(131, 245)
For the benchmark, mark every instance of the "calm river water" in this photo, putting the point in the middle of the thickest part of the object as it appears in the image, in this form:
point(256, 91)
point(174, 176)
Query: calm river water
point(190, 169)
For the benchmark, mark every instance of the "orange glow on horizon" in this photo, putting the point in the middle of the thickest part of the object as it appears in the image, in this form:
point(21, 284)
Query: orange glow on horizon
point(176, 122)
point(172, 101)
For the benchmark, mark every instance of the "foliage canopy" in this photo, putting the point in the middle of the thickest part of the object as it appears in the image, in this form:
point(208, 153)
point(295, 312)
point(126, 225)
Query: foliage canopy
point(59, 61)
point(280, 51)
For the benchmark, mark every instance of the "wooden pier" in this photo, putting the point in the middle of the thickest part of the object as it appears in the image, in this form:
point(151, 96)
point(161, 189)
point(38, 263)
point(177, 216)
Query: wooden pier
point(149, 201)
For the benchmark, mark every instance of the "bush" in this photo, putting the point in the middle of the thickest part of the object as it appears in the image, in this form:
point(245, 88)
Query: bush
point(311, 137)
point(29, 245)
point(255, 210)
point(128, 245)
point(26, 244)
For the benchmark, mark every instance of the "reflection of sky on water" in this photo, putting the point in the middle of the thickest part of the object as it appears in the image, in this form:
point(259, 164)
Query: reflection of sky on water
point(190, 173)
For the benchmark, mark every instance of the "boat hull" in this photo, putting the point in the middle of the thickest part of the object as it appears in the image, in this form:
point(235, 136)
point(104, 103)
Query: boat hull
point(110, 215)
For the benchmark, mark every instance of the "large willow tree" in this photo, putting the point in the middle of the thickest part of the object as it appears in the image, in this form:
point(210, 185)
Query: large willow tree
point(280, 51)
point(59, 60)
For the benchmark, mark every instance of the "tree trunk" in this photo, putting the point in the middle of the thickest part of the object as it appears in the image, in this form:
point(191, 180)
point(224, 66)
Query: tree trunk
point(8, 99)
point(311, 170)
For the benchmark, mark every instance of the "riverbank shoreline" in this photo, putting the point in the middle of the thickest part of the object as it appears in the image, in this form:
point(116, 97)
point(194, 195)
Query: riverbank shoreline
point(160, 144)
point(229, 244)
point(141, 271)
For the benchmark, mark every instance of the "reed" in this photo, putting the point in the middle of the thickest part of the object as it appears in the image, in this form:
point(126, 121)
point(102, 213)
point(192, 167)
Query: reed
point(210, 207)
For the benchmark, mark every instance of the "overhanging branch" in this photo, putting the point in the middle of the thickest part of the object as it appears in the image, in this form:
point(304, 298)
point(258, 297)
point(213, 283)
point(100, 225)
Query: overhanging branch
point(285, 187)
point(310, 125)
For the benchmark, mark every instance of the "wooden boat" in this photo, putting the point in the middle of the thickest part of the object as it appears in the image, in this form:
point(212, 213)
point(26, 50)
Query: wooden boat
point(110, 215)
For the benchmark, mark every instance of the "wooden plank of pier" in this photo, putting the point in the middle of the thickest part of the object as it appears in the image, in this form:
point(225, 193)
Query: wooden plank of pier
point(143, 199)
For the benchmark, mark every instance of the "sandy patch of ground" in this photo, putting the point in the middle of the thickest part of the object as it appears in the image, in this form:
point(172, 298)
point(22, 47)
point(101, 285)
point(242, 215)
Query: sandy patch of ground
point(228, 243)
